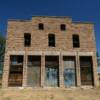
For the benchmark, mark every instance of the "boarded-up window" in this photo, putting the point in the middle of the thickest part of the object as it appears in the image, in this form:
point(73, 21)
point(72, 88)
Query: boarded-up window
point(69, 71)
point(33, 77)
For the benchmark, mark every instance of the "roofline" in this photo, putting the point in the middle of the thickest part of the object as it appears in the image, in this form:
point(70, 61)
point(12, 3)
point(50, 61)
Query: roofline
point(21, 20)
point(81, 22)
point(52, 16)
point(74, 22)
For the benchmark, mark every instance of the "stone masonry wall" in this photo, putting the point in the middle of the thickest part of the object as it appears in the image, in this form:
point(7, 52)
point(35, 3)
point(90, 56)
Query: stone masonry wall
point(39, 43)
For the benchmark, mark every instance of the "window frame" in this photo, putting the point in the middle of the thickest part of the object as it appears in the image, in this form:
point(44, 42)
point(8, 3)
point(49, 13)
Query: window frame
point(63, 27)
point(76, 41)
point(51, 40)
point(27, 39)
point(41, 26)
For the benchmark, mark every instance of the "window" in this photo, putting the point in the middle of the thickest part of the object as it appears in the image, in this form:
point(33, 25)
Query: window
point(51, 40)
point(76, 41)
point(27, 39)
point(63, 27)
point(41, 26)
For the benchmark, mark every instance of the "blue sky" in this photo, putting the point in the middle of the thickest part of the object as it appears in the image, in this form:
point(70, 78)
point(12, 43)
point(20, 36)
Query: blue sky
point(79, 10)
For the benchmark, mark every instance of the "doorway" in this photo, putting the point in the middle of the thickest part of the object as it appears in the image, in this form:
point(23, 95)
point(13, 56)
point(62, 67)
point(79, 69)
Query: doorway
point(33, 71)
point(86, 70)
point(69, 71)
point(52, 71)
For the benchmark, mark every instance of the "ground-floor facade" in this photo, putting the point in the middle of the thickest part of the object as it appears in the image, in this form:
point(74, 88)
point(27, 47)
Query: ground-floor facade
point(49, 69)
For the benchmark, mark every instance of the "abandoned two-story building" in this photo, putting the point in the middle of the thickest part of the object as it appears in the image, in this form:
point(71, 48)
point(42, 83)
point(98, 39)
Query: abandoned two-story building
point(50, 52)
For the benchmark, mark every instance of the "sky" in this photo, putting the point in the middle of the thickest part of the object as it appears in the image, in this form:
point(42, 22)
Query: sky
point(79, 10)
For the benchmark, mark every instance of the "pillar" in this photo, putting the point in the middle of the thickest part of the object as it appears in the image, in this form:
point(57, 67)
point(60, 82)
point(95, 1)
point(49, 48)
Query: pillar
point(6, 71)
point(42, 70)
point(95, 73)
point(78, 77)
point(24, 84)
point(61, 78)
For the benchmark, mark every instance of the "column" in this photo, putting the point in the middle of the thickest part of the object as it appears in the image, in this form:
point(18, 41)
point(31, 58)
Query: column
point(95, 73)
point(6, 71)
point(78, 77)
point(61, 77)
point(42, 70)
point(25, 70)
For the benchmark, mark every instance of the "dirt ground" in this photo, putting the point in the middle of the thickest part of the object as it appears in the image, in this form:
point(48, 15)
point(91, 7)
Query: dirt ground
point(50, 94)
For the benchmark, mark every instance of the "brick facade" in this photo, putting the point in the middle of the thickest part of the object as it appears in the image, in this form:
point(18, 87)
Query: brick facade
point(39, 45)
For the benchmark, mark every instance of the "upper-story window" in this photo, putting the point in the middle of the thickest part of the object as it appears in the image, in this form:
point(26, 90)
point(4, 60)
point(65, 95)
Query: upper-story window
point(51, 40)
point(63, 27)
point(76, 41)
point(41, 26)
point(27, 39)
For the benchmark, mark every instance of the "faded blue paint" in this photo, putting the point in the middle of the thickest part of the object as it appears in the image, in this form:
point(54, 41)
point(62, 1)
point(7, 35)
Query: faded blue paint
point(69, 72)
point(51, 76)
point(69, 77)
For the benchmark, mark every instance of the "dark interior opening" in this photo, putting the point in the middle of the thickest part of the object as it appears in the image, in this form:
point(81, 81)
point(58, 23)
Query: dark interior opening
point(41, 26)
point(86, 69)
point(27, 39)
point(63, 27)
point(76, 41)
point(51, 40)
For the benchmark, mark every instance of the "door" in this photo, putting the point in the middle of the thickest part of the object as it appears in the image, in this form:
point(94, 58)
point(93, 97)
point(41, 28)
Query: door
point(33, 71)
point(51, 77)
point(86, 70)
point(52, 71)
point(69, 71)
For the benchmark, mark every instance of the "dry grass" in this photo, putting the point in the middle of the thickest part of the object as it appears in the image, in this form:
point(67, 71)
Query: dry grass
point(50, 94)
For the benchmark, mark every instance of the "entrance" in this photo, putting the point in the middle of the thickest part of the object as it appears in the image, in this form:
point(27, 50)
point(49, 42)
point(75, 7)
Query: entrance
point(33, 74)
point(15, 71)
point(52, 71)
point(86, 70)
point(69, 71)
